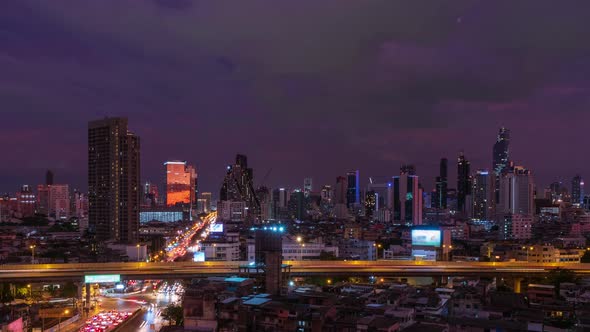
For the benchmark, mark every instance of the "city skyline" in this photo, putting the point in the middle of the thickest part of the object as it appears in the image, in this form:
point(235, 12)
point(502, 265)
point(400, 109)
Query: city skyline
point(427, 180)
point(392, 93)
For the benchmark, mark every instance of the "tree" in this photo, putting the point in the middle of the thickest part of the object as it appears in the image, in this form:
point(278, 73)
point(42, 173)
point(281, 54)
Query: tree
point(586, 257)
point(6, 295)
point(327, 256)
point(70, 291)
point(558, 276)
point(174, 313)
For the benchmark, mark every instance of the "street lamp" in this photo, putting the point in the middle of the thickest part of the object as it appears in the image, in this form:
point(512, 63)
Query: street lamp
point(32, 247)
point(30, 291)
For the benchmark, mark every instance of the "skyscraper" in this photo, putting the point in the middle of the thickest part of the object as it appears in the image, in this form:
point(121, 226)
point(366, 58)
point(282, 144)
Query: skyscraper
point(407, 200)
point(59, 201)
point(577, 190)
point(441, 186)
point(516, 192)
point(307, 186)
point(113, 181)
point(207, 197)
point(409, 169)
point(463, 181)
point(353, 189)
point(49, 177)
point(482, 195)
point(238, 184)
point(370, 203)
point(501, 159)
point(180, 183)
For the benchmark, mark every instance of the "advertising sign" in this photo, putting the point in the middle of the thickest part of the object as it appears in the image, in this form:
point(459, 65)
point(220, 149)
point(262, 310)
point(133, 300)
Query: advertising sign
point(426, 237)
point(102, 278)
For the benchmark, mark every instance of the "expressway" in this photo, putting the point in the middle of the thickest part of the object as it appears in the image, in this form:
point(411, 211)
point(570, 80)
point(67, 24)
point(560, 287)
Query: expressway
point(187, 270)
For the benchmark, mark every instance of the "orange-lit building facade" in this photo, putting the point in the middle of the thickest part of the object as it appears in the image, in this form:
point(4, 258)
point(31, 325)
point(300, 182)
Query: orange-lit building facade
point(180, 183)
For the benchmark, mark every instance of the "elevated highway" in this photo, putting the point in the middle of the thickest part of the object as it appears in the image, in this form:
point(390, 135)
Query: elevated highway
point(187, 270)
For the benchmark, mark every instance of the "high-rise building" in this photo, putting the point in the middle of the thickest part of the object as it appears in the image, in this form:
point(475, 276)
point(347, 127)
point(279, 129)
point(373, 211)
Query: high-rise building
point(407, 200)
point(207, 197)
point(577, 190)
point(327, 194)
point(238, 184)
point(501, 159)
point(113, 181)
point(370, 203)
point(59, 201)
point(297, 205)
point(482, 195)
point(43, 199)
point(516, 192)
point(463, 181)
point(440, 196)
point(26, 201)
point(80, 205)
point(307, 186)
point(151, 196)
point(383, 188)
point(353, 189)
point(49, 177)
point(180, 183)
point(409, 169)
point(340, 192)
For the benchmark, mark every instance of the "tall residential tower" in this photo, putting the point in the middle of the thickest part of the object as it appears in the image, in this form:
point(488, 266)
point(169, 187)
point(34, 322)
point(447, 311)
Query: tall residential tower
point(113, 181)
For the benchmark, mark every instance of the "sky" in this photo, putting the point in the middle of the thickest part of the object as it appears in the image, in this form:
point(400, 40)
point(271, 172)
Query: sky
point(307, 88)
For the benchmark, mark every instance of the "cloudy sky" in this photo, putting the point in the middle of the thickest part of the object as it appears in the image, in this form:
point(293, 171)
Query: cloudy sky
point(305, 88)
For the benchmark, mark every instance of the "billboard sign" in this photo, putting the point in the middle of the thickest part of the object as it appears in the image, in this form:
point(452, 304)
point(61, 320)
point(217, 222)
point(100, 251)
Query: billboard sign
point(102, 278)
point(216, 228)
point(426, 237)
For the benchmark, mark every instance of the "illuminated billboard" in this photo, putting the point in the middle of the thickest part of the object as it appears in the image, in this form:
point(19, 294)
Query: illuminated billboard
point(426, 237)
point(102, 278)
point(199, 256)
point(216, 228)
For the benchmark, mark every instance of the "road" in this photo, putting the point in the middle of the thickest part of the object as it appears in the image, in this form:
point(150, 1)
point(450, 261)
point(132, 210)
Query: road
point(185, 270)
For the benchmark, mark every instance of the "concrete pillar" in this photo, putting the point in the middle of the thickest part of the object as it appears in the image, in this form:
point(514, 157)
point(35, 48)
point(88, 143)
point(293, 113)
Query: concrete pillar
point(87, 295)
point(517, 282)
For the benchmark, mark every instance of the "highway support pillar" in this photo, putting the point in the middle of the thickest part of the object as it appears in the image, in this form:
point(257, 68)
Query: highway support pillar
point(517, 284)
point(87, 296)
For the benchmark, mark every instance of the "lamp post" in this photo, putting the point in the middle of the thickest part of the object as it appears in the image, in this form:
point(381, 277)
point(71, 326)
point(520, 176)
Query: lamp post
point(30, 291)
point(32, 247)
point(137, 252)
point(59, 319)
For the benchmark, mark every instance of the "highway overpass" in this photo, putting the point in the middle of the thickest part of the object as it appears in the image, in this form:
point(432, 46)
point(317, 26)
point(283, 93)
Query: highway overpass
point(187, 270)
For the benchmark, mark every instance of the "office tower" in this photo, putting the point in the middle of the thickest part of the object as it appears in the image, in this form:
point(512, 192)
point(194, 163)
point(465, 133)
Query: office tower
point(516, 192)
point(440, 197)
point(207, 197)
point(407, 200)
point(49, 177)
point(80, 205)
point(577, 190)
point(307, 186)
point(353, 189)
point(113, 181)
point(340, 192)
point(482, 195)
point(43, 199)
point(238, 184)
point(407, 169)
point(501, 159)
point(556, 191)
point(151, 196)
point(383, 188)
point(297, 205)
point(370, 203)
point(26, 201)
point(180, 183)
point(327, 194)
point(59, 201)
point(463, 181)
